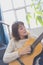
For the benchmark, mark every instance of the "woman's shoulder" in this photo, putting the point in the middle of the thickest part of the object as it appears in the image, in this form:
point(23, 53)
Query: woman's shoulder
point(12, 41)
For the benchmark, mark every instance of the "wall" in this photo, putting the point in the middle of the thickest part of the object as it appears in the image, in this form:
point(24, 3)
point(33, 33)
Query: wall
point(37, 31)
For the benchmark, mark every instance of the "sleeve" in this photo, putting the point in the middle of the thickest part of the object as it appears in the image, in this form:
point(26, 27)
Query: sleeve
point(9, 55)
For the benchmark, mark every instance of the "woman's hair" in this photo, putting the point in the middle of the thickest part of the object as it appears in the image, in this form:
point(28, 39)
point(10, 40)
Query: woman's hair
point(15, 27)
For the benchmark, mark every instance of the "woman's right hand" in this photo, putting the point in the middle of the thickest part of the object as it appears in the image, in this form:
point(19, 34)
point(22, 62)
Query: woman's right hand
point(26, 50)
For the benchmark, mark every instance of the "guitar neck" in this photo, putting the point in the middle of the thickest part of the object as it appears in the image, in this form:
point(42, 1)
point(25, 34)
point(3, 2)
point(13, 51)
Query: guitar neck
point(36, 42)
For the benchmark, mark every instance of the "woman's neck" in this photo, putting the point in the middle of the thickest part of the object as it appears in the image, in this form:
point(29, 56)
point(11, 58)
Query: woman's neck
point(21, 37)
point(25, 37)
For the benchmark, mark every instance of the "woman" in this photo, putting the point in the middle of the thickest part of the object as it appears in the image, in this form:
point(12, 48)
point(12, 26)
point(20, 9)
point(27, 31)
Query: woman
point(20, 36)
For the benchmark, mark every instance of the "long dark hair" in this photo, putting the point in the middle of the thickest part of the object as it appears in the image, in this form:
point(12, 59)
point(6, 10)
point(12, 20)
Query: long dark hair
point(15, 30)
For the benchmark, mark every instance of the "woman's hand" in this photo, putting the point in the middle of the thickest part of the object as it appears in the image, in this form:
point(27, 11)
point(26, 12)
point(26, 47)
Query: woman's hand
point(24, 51)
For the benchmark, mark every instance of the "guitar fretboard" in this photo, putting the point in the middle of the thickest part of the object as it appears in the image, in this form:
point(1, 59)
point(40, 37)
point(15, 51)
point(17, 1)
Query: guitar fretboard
point(37, 41)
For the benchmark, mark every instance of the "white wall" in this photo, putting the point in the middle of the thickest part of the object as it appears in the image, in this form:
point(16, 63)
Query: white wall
point(37, 31)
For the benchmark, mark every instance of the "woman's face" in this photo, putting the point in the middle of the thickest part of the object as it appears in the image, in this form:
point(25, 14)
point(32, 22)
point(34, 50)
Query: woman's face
point(22, 31)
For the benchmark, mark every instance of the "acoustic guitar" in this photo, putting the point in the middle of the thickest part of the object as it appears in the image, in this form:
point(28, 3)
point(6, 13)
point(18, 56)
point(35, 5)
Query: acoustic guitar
point(36, 49)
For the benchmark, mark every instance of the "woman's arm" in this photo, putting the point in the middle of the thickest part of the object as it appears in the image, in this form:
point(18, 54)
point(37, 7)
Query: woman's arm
point(10, 55)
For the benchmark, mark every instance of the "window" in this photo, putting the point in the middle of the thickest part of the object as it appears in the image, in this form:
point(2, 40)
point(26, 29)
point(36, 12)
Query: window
point(18, 3)
point(28, 2)
point(9, 17)
point(21, 16)
point(6, 5)
point(13, 10)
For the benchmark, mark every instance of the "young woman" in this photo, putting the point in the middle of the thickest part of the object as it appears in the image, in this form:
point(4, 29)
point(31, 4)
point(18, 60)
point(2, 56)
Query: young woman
point(20, 36)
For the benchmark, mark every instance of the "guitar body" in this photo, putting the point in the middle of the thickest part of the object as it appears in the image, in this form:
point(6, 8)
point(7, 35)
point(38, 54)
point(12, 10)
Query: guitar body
point(28, 59)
